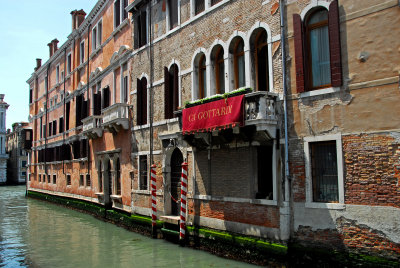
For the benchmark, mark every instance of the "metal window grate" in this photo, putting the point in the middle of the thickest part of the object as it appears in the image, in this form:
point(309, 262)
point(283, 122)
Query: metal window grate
point(324, 171)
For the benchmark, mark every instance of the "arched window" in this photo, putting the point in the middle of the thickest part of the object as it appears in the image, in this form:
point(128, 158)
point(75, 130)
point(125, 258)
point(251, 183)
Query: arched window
point(141, 101)
point(239, 63)
point(219, 69)
point(318, 49)
point(171, 84)
point(202, 77)
point(118, 178)
point(261, 60)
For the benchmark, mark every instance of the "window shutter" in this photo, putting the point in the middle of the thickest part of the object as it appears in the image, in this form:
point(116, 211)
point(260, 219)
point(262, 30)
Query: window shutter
point(167, 95)
point(139, 101)
point(136, 32)
point(176, 90)
point(334, 44)
point(298, 50)
point(144, 101)
point(143, 29)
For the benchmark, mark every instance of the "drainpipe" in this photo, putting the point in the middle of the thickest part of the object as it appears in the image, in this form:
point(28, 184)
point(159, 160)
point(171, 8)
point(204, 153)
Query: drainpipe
point(46, 111)
point(87, 95)
point(151, 84)
point(65, 69)
point(286, 214)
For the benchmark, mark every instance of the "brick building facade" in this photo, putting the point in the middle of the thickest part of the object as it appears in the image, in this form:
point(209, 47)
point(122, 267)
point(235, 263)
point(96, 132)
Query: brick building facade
point(111, 102)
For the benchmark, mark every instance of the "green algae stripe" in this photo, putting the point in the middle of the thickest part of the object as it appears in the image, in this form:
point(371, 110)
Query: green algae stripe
point(241, 240)
point(169, 232)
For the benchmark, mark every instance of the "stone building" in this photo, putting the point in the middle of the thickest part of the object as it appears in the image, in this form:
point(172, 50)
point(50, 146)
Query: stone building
point(165, 82)
point(18, 143)
point(3, 155)
point(343, 105)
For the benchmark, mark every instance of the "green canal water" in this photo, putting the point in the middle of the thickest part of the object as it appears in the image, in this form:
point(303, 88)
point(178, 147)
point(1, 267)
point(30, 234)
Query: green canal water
point(37, 234)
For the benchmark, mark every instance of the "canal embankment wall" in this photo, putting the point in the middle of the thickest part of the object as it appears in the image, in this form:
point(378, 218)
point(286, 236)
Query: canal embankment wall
point(224, 244)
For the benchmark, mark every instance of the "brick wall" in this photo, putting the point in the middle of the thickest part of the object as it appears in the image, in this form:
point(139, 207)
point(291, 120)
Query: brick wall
point(372, 169)
point(267, 216)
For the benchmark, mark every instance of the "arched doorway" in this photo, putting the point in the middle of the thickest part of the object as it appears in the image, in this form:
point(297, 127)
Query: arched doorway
point(176, 170)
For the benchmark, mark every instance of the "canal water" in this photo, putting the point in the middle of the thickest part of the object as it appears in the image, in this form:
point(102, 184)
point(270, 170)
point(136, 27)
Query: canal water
point(37, 234)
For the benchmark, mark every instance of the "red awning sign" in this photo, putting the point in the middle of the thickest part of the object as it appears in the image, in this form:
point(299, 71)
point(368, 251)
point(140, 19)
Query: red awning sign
point(212, 115)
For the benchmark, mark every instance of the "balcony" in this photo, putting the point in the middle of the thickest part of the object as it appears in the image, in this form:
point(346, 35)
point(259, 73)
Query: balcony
point(116, 117)
point(259, 125)
point(92, 126)
point(260, 111)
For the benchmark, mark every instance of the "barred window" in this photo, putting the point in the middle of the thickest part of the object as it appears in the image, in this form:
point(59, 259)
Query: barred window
point(324, 171)
point(143, 172)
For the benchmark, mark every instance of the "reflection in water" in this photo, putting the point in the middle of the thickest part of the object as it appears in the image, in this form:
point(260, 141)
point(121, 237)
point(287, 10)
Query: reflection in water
point(39, 234)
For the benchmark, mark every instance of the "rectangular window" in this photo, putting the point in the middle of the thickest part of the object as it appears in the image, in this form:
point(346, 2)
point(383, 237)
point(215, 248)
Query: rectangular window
point(62, 75)
point(140, 29)
point(54, 127)
point(199, 6)
point(99, 32)
point(30, 95)
point(68, 179)
point(54, 179)
point(23, 163)
point(94, 38)
point(81, 181)
point(58, 73)
point(173, 13)
point(50, 128)
point(82, 52)
point(67, 111)
point(48, 178)
point(324, 171)
point(143, 172)
point(88, 181)
point(117, 13)
point(69, 63)
point(125, 88)
point(61, 125)
point(41, 123)
point(40, 178)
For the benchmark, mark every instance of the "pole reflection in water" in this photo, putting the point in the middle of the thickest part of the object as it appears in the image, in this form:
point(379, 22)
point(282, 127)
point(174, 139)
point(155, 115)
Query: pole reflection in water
point(35, 233)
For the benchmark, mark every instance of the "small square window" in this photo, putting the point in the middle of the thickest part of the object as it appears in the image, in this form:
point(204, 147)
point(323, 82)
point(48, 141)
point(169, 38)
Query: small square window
point(68, 179)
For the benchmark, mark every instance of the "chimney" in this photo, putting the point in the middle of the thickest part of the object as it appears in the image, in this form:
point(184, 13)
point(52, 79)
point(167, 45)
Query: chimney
point(78, 16)
point(55, 47)
point(38, 64)
point(50, 48)
point(73, 14)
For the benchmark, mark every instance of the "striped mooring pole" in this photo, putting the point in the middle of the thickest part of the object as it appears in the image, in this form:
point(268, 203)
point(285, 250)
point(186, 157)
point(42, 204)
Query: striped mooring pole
point(153, 202)
point(182, 223)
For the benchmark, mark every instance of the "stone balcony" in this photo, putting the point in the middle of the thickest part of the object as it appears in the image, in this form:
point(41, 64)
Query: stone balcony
point(116, 117)
point(260, 111)
point(92, 126)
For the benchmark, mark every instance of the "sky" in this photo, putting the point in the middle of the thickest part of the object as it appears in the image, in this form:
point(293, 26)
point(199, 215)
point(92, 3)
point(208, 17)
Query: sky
point(26, 27)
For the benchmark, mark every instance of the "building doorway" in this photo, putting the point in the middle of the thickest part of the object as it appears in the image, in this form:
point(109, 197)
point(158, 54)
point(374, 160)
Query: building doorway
point(176, 170)
point(107, 184)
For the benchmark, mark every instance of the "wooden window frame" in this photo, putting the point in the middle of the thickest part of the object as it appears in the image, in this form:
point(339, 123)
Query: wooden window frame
point(201, 76)
point(219, 61)
point(308, 29)
point(236, 55)
point(257, 47)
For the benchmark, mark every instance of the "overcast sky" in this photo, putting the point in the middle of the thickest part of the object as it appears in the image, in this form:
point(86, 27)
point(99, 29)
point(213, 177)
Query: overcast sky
point(26, 27)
